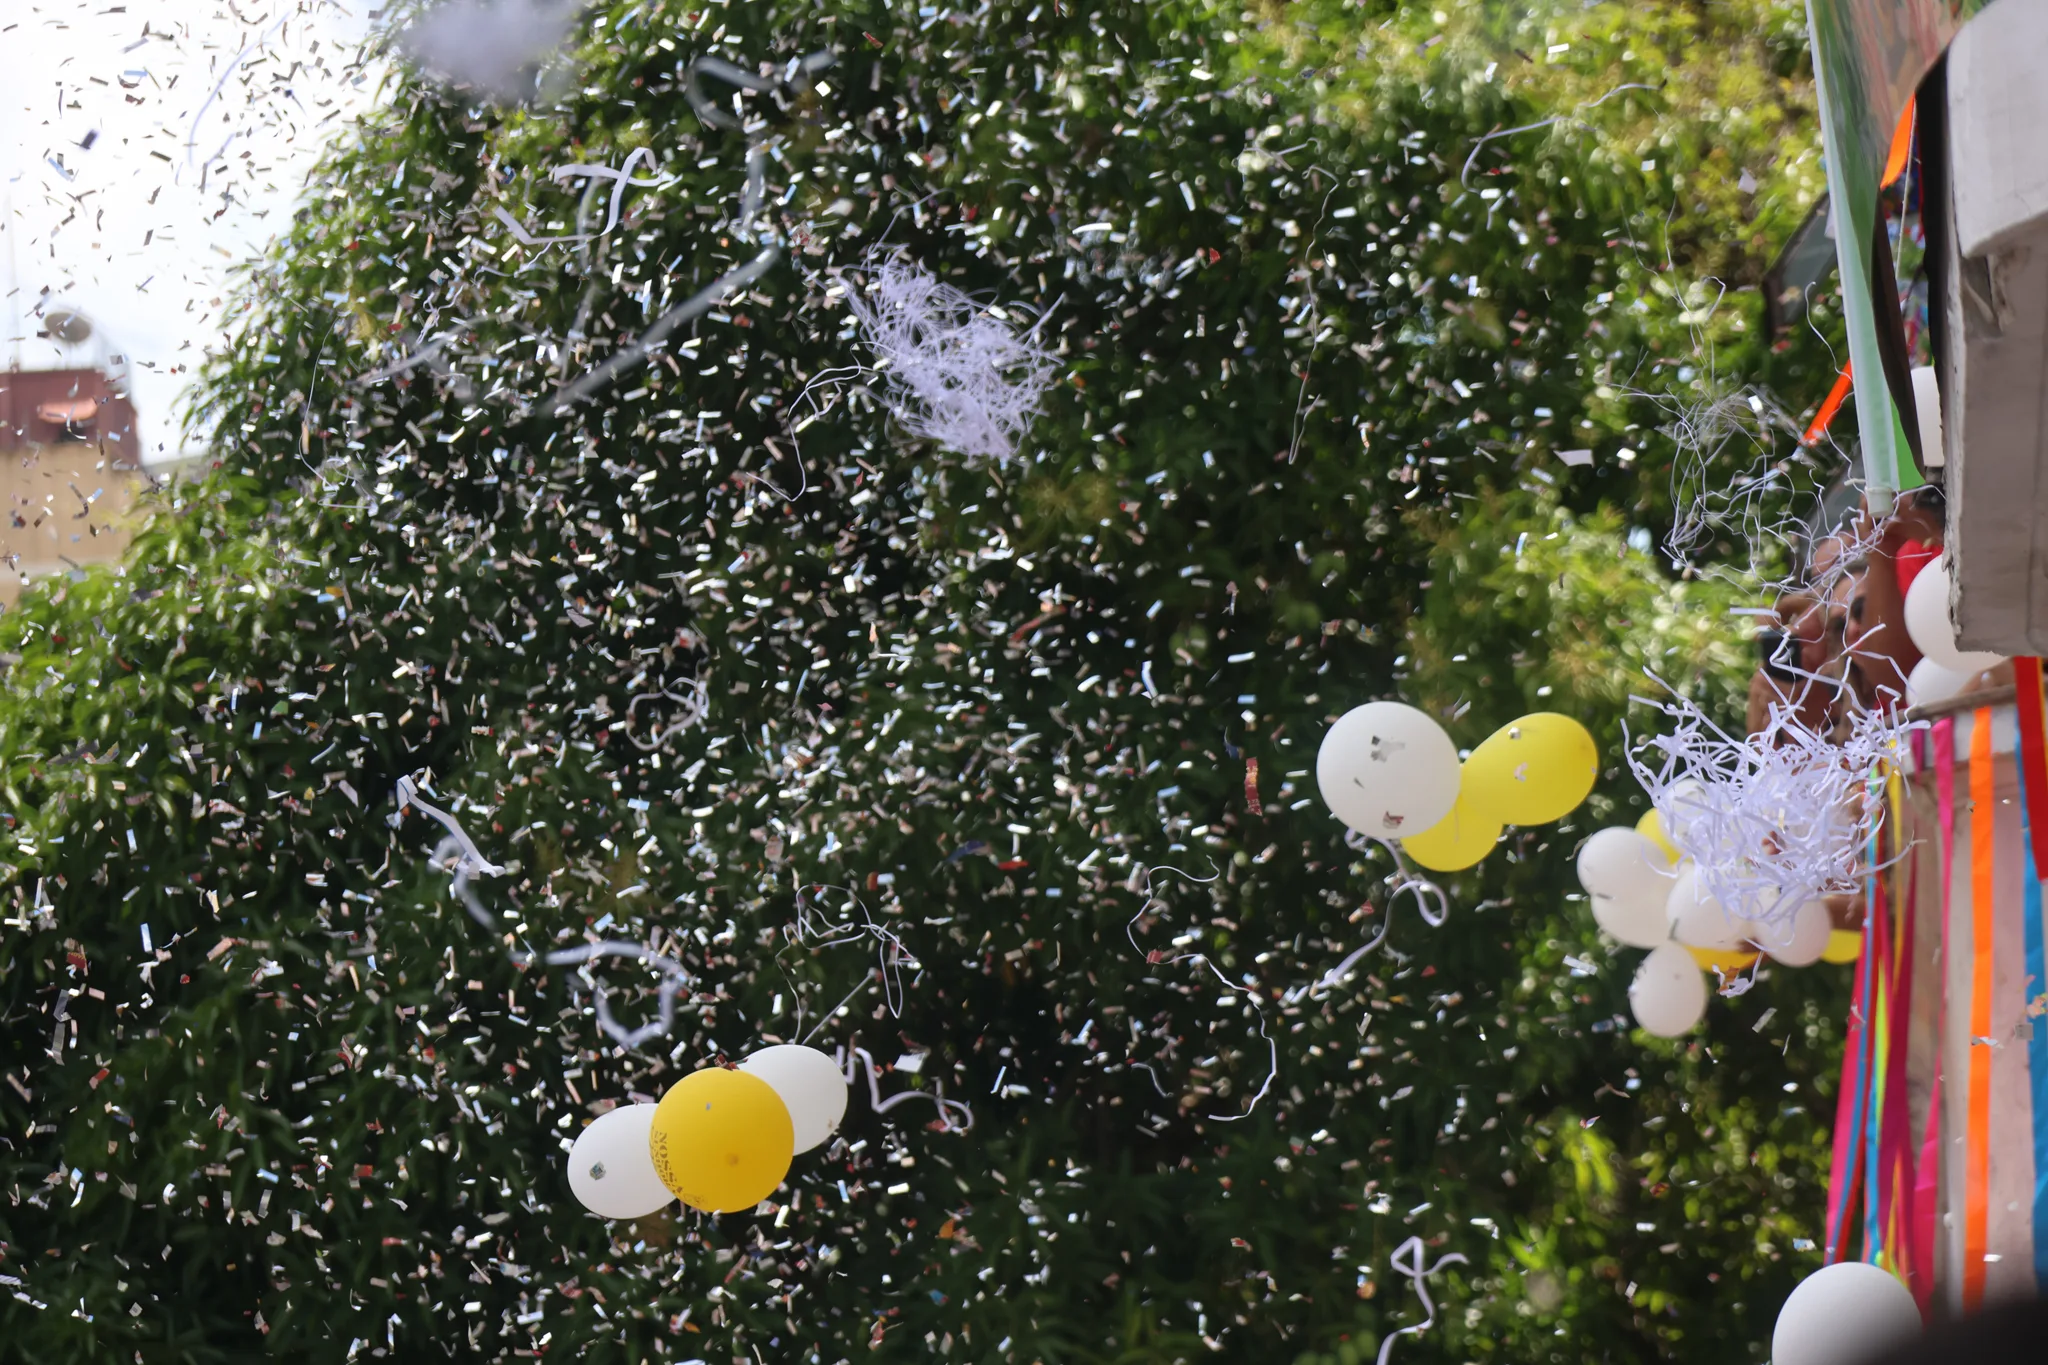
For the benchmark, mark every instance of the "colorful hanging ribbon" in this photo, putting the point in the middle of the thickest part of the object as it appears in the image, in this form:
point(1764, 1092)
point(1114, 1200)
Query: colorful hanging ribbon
point(1896, 1151)
point(1876, 1036)
point(1927, 1175)
point(2026, 676)
point(1977, 1131)
point(1845, 1180)
point(2032, 840)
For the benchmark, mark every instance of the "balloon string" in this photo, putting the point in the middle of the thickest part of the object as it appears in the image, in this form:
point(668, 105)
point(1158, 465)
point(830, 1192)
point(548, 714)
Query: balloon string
point(468, 859)
point(889, 950)
point(1145, 886)
point(1250, 994)
point(1412, 1267)
point(1430, 903)
point(882, 1106)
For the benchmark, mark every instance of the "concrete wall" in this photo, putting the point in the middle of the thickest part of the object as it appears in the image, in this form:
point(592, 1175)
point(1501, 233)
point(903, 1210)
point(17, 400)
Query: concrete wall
point(1996, 385)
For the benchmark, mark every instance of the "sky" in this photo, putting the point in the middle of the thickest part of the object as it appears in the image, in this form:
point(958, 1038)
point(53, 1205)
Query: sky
point(145, 148)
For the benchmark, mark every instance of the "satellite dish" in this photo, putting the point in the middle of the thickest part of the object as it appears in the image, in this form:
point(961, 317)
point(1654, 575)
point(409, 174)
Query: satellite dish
point(67, 325)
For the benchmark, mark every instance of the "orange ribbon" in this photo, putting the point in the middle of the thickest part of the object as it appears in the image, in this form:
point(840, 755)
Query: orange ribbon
point(1977, 1136)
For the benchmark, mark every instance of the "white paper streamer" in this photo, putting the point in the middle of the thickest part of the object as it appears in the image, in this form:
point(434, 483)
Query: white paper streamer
point(620, 179)
point(1407, 1260)
point(458, 847)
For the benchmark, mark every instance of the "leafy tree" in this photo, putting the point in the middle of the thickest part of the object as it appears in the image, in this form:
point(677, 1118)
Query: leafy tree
point(273, 1090)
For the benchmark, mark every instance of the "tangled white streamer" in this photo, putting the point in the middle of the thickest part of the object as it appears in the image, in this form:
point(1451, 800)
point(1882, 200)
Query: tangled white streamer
point(1407, 1260)
point(1711, 497)
point(798, 76)
point(1775, 820)
point(956, 373)
point(954, 1115)
point(891, 955)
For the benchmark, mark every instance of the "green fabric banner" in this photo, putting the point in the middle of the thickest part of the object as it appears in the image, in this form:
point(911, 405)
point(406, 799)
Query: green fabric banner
point(1869, 56)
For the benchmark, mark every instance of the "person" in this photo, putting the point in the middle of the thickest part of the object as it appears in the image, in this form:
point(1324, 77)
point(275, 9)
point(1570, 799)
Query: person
point(1800, 667)
point(1791, 665)
point(1875, 634)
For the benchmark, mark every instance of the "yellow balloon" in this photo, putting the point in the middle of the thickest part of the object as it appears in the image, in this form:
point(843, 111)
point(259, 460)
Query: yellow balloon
point(1455, 842)
point(1710, 958)
point(721, 1140)
point(1534, 771)
point(1844, 945)
point(1651, 827)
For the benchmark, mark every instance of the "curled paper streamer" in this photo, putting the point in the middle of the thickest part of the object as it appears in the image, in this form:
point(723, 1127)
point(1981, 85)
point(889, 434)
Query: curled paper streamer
point(1407, 1260)
point(819, 933)
point(642, 346)
point(620, 179)
point(674, 976)
point(797, 76)
point(696, 705)
point(673, 980)
point(430, 354)
point(409, 795)
point(739, 277)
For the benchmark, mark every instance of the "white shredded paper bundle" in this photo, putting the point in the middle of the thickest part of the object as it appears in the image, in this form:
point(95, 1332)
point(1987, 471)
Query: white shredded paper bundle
point(956, 373)
point(1775, 820)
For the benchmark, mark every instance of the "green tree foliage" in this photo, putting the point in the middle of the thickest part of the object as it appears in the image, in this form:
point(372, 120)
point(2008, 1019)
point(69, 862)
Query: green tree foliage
point(272, 1090)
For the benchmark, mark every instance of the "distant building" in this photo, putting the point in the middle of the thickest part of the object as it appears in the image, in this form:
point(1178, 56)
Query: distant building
point(70, 459)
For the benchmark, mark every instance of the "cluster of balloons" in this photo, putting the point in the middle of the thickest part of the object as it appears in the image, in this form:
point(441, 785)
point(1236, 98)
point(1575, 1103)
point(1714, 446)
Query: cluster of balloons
point(1945, 668)
point(720, 1140)
point(1648, 895)
point(1390, 772)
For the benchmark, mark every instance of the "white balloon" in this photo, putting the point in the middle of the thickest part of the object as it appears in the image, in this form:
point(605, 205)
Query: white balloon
point(1697, 918)
point(1928, 623)
point(611, 1170)
point(1639, 924)
point(1386, 769)
point(1800, 942)
point(1678, 807)
point(1628, 879)
point(1669, 993)
point(1844, 1314)
point(1930, 682)
point(809, 1082)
